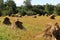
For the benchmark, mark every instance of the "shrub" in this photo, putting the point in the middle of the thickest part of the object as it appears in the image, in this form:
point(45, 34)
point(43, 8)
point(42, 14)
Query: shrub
point(22, 12)
point(30, 13)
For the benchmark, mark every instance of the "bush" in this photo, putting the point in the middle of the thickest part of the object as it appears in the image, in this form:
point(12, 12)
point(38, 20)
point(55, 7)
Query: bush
point(6, 12)
point(30, 13)
point(0, 13)
point(22, 12)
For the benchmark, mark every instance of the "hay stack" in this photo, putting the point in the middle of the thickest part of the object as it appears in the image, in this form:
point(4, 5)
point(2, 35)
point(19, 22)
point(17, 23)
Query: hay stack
point(56, 33)
point(52, 31)
point(7, 21)
point(46, 15)
point(34, 16)
point(13, 15)
point(19, 24)
point(38, 15)
point(16, 15)
point(52, 16)
point(20, 16)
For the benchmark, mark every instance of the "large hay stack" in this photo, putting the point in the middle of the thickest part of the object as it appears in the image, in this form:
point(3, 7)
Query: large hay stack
point(56, 33)
point(19, 24)
point(6, 21)
point(53, 31)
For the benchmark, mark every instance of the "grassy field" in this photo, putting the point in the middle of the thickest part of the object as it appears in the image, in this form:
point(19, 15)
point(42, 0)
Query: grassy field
point(33, 26)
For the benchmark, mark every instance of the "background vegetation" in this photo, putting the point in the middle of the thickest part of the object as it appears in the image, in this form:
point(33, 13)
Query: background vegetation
point(9, 7)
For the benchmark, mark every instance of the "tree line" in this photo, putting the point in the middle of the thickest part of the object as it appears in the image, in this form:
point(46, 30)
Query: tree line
point(9, 7)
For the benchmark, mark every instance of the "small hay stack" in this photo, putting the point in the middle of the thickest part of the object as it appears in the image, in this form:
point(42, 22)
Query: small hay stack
point(13, 15)
point(46, 15)
point(34, 16)
point(38, 15)
point(52, 16)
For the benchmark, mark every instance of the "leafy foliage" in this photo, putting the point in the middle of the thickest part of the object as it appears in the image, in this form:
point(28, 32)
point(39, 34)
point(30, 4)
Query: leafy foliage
point(9, 7)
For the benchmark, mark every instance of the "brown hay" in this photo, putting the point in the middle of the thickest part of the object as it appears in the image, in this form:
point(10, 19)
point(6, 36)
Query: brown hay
point(52, 17)
point(56, 33)
point(20, 16)
point(46, 15)
point(19, 24)
point(7, 21)
point(38, 15)
point(34, 16)
point(15, 15)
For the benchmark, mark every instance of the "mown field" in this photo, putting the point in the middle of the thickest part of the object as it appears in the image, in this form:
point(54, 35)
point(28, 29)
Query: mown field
point(32, 25)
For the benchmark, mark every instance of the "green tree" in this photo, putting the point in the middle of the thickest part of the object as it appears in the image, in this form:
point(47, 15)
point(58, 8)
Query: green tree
point(39, 9)
point(22, 12)
point(58, 9)
point(55, 10)
point(11, 7)
point(49, 9)
point(1, 7)
point(27, 4)
point(30, 13)
point(1, 4)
